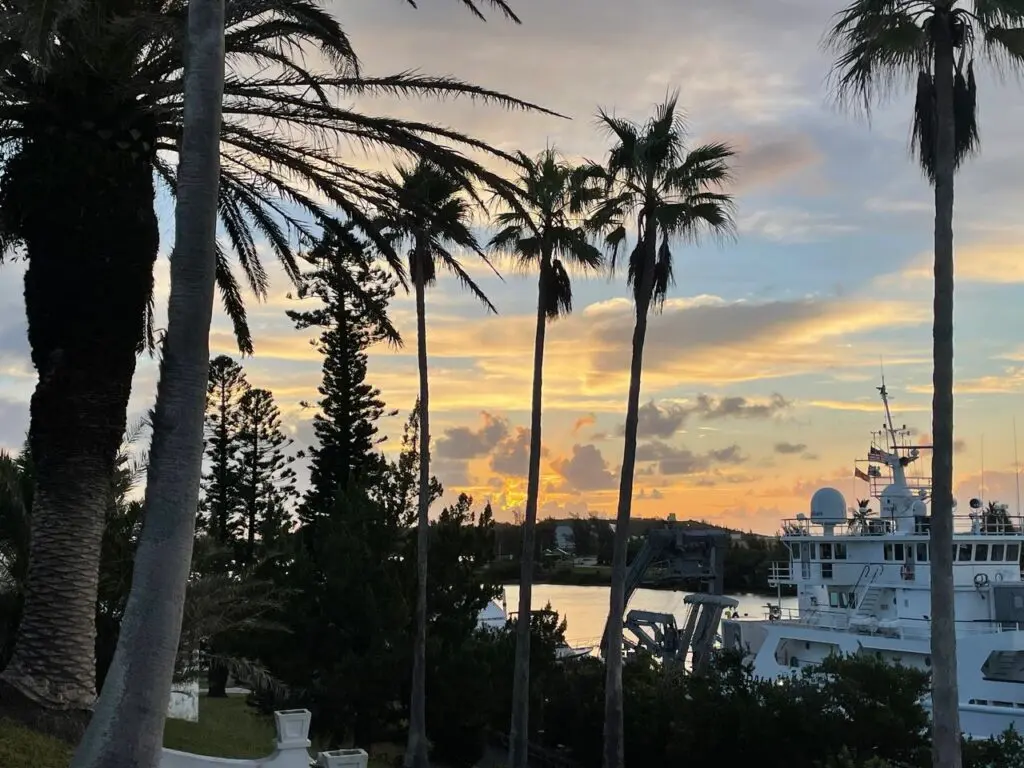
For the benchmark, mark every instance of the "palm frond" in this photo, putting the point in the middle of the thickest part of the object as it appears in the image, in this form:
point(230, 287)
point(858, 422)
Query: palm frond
point(474, 8)
point(668, 189)
point(879, 47)
point(1005, 46)
point(924, 131)
point(286, 125)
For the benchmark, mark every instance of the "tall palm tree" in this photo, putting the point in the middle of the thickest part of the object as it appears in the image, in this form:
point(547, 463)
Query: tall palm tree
point(546, 235)
point(91, 102)
point(669, 192)
point(127, 728)
point(881, 45)
point(430, 215)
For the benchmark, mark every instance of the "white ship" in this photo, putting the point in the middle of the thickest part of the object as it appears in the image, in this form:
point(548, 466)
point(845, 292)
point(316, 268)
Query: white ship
point(862, 585)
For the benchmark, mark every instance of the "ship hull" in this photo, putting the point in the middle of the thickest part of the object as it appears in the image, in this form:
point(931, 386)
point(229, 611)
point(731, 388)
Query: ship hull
point(990, 665)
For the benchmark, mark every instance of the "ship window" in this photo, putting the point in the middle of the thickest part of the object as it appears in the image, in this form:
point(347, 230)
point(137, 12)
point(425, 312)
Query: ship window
point(981, 553)
point(964, 553)
point(1012, 553)
point(893, 552)
point(922, 553)
point(796, 550)
point(810, 551)
point(826, 570)
point(826, 551)
point(840, 551)
point(997, 553)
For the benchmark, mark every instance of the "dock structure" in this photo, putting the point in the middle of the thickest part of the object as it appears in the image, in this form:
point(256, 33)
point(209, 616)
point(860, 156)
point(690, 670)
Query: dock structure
point(694, 555)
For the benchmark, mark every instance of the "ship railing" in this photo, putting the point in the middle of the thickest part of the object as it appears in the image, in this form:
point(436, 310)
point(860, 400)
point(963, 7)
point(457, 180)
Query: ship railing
point(780, 572)
point(908, 628)
point(977, 524)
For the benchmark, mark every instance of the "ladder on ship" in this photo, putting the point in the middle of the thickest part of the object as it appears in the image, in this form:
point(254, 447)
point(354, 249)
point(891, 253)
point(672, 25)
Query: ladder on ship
point(868, 597)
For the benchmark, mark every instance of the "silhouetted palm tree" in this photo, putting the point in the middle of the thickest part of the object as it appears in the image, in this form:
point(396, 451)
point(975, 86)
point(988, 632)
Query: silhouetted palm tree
point(546, 235)
point(133, 702)
point(881, 45)
point(91, 101)
point(668, 192)
point(430, 216)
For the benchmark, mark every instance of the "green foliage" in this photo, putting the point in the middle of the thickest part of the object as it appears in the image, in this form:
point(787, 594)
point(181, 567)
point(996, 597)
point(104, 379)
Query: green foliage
point(220, 511)
point(882, 47)
point(249, 489)
point(353, 293)
point(432, 217)
point(97, 76)
point(858, 704)
point(351, 577)
point(266, 478)
point(1003, 751)
point(547, 232)
point(667, 189)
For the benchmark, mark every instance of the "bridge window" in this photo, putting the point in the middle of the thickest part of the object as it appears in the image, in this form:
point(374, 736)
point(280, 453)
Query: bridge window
point(964, 553)
point(796, 550)
point(998, 553)
point(826, 551)
point(1012, 553)
point(893, 552)
point(922, 553)
point(840, 551)
point(981, 553)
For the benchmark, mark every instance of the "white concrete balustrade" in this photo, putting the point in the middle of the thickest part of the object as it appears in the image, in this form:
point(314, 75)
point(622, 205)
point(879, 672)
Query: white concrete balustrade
point(291, 750)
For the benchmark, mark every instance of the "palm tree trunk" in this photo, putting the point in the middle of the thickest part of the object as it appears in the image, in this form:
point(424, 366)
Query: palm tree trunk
point(945, 698)
point(519, 733)
point(84, 212)
point(416, 755)
point(614, 737)
point(127, 729)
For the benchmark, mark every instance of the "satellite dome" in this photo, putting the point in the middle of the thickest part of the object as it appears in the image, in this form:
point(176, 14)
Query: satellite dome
point(828, 505)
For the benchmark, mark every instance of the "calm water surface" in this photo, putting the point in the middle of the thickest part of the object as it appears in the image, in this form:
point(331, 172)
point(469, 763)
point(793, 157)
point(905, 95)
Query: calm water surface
point(586, 608)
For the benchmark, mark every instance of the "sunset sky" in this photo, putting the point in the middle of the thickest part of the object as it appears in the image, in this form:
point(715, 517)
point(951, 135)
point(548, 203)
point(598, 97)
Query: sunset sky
point(760, 374)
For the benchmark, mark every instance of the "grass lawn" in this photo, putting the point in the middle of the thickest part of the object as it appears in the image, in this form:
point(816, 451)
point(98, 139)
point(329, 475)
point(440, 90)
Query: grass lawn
point(226, 728)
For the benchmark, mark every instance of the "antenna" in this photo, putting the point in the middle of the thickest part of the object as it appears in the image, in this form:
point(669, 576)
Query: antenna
point(981, 493)
point(888, 415)
point(1016, 464)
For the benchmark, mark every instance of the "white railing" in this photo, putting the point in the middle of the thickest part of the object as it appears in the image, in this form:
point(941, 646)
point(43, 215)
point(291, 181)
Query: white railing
point(911, 629)
point(977, 524)
point(291, 750)
point(780, 572)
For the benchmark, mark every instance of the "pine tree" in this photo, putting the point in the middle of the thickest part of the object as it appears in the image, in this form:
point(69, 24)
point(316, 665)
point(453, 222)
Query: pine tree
point(219, 510)
point(267, 478)
point(354, 294)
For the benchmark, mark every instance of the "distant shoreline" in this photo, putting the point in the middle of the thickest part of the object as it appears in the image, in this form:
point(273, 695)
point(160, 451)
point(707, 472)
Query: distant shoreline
point(587, 580)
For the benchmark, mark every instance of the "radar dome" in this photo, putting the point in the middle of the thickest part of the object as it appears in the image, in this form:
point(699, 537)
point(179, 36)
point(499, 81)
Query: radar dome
point(828, 505)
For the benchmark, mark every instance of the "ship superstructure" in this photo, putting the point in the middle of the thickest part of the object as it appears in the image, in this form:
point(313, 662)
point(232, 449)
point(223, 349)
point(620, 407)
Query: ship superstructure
point(863, 586)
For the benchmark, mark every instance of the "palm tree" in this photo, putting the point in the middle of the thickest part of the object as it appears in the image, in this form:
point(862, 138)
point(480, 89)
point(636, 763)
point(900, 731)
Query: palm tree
point(91, 101)
point(133, 703)
point(881, 45)
point(547, 234)
point(431, 214)
point(668, 192)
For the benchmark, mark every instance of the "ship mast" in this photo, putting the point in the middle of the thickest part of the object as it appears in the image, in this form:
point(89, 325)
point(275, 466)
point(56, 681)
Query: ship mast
point(888, 415)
